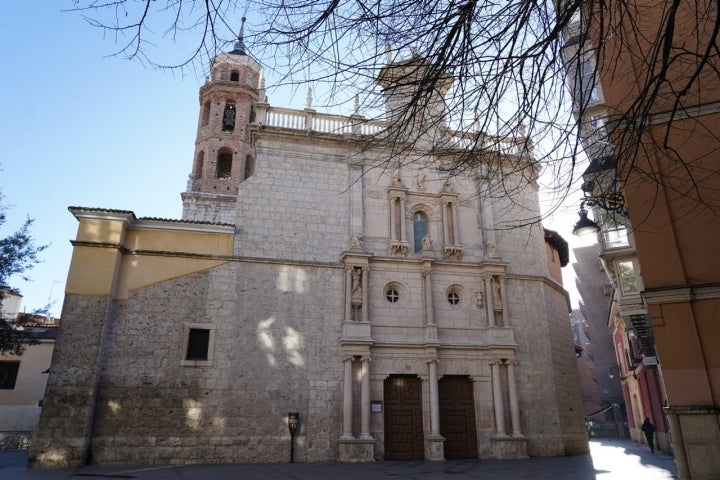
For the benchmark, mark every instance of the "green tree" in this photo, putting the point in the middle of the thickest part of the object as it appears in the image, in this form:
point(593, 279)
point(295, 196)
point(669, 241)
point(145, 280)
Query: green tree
point(18, 254)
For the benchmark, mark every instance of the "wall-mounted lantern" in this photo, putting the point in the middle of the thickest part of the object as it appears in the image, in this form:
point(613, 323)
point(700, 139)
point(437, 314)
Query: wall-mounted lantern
point(611, 202)
point(293, 422)
point(585, 225)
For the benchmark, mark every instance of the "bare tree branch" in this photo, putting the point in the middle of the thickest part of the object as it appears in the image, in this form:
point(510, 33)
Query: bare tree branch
point(503, 70)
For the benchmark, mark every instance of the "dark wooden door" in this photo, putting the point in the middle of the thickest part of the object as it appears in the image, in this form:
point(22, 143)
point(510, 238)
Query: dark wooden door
point(403, 418)
point(457, 417)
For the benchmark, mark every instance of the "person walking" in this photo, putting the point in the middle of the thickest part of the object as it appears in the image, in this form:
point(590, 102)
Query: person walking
point(649, 431)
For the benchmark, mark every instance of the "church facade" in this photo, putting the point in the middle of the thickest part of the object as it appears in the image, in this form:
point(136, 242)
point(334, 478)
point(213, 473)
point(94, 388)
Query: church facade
point(374, 304)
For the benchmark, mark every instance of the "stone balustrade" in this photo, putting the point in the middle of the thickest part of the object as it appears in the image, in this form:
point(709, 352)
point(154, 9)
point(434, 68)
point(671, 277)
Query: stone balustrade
point(313, 121)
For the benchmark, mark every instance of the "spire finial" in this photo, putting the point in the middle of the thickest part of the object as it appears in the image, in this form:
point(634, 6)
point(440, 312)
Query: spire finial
point(240, 44)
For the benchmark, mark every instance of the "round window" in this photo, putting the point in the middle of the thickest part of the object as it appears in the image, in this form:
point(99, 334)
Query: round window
point(392, 295)
point(453, 298)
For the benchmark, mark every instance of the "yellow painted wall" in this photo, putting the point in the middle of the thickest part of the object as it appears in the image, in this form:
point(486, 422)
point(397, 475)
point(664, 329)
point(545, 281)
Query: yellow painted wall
point(92, 270)
point(115, 258)
point(100, 231)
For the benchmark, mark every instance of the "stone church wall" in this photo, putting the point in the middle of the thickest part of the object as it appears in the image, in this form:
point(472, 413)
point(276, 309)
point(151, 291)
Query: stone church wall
point(296, 206)
point(275, 351)
point(67, 410)
point(545, 363)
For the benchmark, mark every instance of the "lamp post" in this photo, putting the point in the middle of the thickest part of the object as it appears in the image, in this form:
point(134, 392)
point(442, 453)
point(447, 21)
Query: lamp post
point(293, 420)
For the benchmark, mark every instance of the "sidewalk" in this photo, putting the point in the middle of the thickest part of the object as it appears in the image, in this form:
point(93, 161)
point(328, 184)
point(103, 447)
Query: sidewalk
point(609, 460)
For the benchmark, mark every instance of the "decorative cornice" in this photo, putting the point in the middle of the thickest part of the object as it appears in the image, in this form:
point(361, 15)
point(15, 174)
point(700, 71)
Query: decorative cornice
point(661, 118)
point(693, 409)
point(162, 224)
point(668, 295)
point(685, 112)
point(706, 292)
point(216, 197)
point(682, 293)
point(225, 258)
point(85, 213)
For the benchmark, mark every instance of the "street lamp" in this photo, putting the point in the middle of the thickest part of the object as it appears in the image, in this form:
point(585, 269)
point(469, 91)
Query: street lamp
point(611, 202)
point(585, 225)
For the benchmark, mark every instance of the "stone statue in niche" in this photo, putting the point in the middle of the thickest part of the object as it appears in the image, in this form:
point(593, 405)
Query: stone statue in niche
point(420, 179)
point(496, 291)
point(229, 118)
point(356, 290)
point(356, 242)
point(490, 249)
point(426, 242)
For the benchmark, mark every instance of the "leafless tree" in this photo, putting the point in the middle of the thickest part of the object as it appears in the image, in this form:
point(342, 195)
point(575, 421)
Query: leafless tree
point(511, 73)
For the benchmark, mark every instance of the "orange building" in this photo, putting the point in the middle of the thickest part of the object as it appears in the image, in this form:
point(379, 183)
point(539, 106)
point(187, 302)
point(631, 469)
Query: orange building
point(661, 98)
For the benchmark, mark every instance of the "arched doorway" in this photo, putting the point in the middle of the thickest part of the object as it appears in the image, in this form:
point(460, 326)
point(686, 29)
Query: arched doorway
point(403, 418)
point(457, 417)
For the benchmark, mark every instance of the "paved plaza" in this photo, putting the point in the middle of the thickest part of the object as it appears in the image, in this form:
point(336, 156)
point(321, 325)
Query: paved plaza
point(609, 460)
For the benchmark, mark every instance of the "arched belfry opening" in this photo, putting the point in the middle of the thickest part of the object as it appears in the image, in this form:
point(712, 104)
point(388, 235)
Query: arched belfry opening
point(224, 163)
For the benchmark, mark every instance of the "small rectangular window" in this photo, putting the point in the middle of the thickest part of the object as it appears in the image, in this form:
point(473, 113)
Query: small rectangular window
point(8, 374)
point(584, 83)
point(627, 278)
point(614, 231)
point(198, 344)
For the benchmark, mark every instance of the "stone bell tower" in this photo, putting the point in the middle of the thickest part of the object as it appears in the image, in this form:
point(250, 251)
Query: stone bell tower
point(223, 157)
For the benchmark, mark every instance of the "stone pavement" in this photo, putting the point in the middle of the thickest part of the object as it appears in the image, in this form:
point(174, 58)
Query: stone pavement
point(609, 460)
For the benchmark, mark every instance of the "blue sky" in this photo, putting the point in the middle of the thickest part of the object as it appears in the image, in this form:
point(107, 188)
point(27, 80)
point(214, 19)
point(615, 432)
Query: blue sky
point(82, 128)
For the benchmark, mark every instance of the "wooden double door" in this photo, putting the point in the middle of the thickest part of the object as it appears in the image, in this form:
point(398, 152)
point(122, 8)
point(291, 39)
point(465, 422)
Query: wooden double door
point(404, 439)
